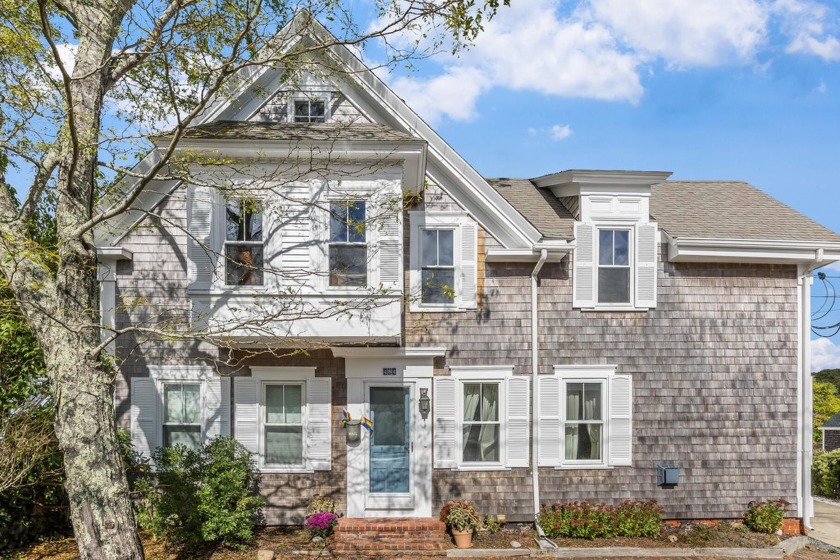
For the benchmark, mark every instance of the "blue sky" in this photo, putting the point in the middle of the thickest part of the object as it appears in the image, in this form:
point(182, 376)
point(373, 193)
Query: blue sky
point(721, 89)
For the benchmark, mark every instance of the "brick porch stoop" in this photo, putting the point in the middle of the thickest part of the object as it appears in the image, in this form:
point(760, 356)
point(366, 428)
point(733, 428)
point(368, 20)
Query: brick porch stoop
point(389, 538)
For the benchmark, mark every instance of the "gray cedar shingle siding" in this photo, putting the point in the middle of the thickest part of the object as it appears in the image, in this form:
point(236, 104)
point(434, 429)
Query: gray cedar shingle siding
point(713, 365)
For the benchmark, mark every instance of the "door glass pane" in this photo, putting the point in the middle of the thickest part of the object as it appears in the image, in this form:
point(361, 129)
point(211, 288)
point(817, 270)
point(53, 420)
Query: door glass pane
point(389, 411)
point(390, 440)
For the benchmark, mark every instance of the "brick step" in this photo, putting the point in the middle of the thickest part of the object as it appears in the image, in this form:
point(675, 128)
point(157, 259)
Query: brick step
point(389, 538)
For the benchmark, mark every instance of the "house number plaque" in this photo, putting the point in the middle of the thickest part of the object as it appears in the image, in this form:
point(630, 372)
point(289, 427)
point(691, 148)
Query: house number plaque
point(392, 371)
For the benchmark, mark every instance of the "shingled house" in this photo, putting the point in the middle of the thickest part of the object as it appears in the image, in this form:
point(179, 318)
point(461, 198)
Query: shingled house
point(515, 342)
point(831, 433)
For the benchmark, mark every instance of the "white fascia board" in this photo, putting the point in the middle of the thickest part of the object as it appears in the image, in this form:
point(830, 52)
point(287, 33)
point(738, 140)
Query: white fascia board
point(685, 249)
point(576, 182)
point(445, 166)
point(395, 352)
point(113, 253)
point(556, 252)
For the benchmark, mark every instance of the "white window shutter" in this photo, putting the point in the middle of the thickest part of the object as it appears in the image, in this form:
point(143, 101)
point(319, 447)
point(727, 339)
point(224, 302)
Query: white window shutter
point(446, 423)
point(246, 414)
point(319, 423)
point(550, 444)
point(216, 407)
point(646, 250)
point(200, 249)
point(468, 293)
point(144, 416)
point(390, 248)
point(517, 421)
point(621, 421)
point(584, 266)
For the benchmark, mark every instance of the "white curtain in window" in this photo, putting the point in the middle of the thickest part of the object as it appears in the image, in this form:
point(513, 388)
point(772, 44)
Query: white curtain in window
point(488, 438)
point(573, 394)
point(592, 411)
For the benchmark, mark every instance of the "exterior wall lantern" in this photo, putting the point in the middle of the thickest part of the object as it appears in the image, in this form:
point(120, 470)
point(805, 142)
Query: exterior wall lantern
point(354, 431)
point(425, 403)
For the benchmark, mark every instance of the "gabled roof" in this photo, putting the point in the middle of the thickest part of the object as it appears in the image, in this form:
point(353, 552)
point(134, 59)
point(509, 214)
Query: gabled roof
point(539, 206)
point(730, 210)
point(833, 422)
point(304, 132)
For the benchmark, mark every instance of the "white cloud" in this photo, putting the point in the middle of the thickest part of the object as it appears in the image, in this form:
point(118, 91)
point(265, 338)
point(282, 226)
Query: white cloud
point(454, 93)
point(599, 49)
point(824, 354)
point(806, 23)
point(67, 56)
point(686, 33)
point(560, 131)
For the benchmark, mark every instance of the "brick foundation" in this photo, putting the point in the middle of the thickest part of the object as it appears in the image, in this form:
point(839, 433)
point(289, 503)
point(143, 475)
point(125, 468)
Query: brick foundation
point(389, 538)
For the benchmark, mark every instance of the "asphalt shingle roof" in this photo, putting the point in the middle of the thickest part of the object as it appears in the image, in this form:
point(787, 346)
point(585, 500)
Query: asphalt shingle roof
point(833, 422)
point(729, 210)
point(704, 209)
point(295, 132)
point(538, 206)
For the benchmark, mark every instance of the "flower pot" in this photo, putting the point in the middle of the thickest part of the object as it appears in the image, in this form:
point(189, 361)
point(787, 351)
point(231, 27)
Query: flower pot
point(463, 539)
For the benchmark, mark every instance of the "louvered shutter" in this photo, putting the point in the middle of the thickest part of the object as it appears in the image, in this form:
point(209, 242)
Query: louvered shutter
point(446, 423)
point(468, 296)
point(200, 249)
point(319, 423)
point(584, 266)
point(216, 407)
point(646, 250)
point(246, 414)
point(551, 440)
point(517, 421)
point(621, 420)
point(144, 416)
point(390, 249)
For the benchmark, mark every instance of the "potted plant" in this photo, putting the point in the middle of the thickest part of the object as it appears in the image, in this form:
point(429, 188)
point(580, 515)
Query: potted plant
point(462, 520)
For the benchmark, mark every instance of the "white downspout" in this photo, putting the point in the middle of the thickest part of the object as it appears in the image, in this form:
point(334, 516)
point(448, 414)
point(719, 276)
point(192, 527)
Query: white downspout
point(535, 414)
point(806, 391)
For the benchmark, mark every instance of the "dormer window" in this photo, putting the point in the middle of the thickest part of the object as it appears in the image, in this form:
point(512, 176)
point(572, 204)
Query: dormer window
point(310, 111)
point(614, 266)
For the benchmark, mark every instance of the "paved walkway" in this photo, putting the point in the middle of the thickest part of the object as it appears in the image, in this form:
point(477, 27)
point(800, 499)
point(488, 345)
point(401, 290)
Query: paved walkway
point(826, 523)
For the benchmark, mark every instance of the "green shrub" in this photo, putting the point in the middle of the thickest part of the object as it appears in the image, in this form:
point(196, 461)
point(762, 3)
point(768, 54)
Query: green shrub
point(765, 517)
point(588, 520)
point(825, 474)
point(206, 495)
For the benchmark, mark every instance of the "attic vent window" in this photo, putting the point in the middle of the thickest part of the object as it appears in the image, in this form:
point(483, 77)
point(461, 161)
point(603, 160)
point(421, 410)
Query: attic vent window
point(309, 111)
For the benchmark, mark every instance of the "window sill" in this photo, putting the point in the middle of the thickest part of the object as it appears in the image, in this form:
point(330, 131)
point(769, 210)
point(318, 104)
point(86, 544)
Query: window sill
point(292, 470)
point(617, 309)
point(584, 467)
point(436, 309)
point(478, 468)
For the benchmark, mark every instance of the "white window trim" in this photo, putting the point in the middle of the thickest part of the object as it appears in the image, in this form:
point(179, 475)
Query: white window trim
point(265, 375)
point(586, 374)
point(481, 374)
point(222, 274)
point(162, 375)
point(305, 94)
point(421, 220)
point(631, 258)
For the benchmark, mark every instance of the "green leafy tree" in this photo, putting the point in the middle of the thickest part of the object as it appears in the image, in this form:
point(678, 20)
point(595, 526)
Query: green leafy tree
point(82, 86)
point(826, 404)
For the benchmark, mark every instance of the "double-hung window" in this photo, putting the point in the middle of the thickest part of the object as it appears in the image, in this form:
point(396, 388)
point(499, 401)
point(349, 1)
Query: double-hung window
point(283, 424)
point(437, 274)
point(481, 440)
point(182, 414)
point(243, 242)
point(584, 421)
point(348, 255)
point(309, 111)
point(614, 266)
point(481, 418)
point(585, 417)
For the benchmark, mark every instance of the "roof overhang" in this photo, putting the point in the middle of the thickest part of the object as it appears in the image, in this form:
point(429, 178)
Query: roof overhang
point(576, 182)
point(693, 249)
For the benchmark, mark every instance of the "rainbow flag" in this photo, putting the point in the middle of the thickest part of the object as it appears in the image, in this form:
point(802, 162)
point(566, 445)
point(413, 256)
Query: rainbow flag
point(367, 423)
point(346, 416)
